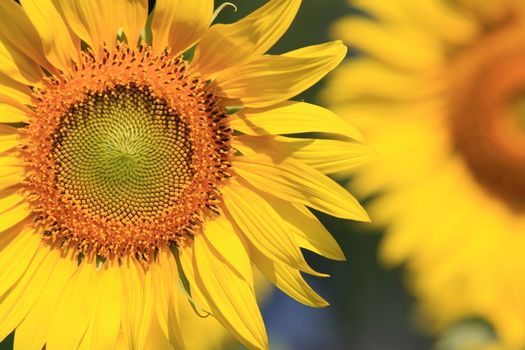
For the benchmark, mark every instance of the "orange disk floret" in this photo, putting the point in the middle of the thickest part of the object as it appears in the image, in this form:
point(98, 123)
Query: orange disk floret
point(125, 153)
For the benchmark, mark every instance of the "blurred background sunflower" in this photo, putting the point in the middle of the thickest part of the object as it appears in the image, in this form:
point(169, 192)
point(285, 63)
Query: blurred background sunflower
point(415, 66)
point(438, 89)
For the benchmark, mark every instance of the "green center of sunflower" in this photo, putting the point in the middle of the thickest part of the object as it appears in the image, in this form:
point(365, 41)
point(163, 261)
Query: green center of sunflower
point(123, 154)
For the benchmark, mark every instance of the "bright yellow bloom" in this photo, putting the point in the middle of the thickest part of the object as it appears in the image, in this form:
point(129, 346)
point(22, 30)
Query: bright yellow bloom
point(127, 182)
point(437, 90)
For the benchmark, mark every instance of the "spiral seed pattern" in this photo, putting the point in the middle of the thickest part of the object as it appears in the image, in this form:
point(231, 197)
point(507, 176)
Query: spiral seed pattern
point(125, 154)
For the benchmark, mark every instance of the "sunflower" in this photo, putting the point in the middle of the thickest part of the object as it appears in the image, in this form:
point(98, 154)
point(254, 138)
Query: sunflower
point(133, 178)
point(437, 87)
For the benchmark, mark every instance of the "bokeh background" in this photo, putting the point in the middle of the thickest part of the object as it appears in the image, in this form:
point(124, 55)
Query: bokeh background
point(370, 308)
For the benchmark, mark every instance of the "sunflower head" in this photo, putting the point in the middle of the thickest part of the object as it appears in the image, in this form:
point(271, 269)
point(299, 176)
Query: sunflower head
point(438, 90)
point(128, 184)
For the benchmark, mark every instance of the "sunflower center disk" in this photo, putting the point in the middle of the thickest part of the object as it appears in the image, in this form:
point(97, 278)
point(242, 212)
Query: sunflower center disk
point(122, 154)
point(487, 112)
point(125, 154)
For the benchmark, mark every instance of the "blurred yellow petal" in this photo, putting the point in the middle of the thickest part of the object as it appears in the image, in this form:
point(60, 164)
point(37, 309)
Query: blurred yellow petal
point(395, 45)
point(179, 24)
point(382, 10)
point(372, 80)
point(442, 20)
point(228, 45)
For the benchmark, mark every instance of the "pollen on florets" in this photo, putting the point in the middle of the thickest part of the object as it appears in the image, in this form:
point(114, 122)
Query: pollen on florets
point(125, 153)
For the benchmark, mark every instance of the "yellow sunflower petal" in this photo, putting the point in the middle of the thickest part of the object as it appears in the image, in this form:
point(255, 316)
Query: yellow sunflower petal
point(264, 227)
point(9, 142)
point(17, 247)
point(308, 231)
point(292, 117)
point(327, 156)
point(13, 216)
point(11, 113)
point(9, 181)
point(269, 80)
point(9, 138)
point(227, 45)
point(197, 295)
point(15, 305)
point(373, 80)
point(136, 15)
point(8, 171)
point(298, 183)
point(11, 201)
point(220, 234)
point(165, 278)
point(180, 23)
point(74, 308)
point(96, 22)
point(9, 161)
point(105, 322)
point(9, 166)
point(157, 339)
point(442, 20)
point(60, 46)
point(16, 28)
point(418, 51)
point(287, 279)
point(137, 303)
point(14, 90)
point(32, 332)
point(231, 298)
point(382, 10)
point(17, 65)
